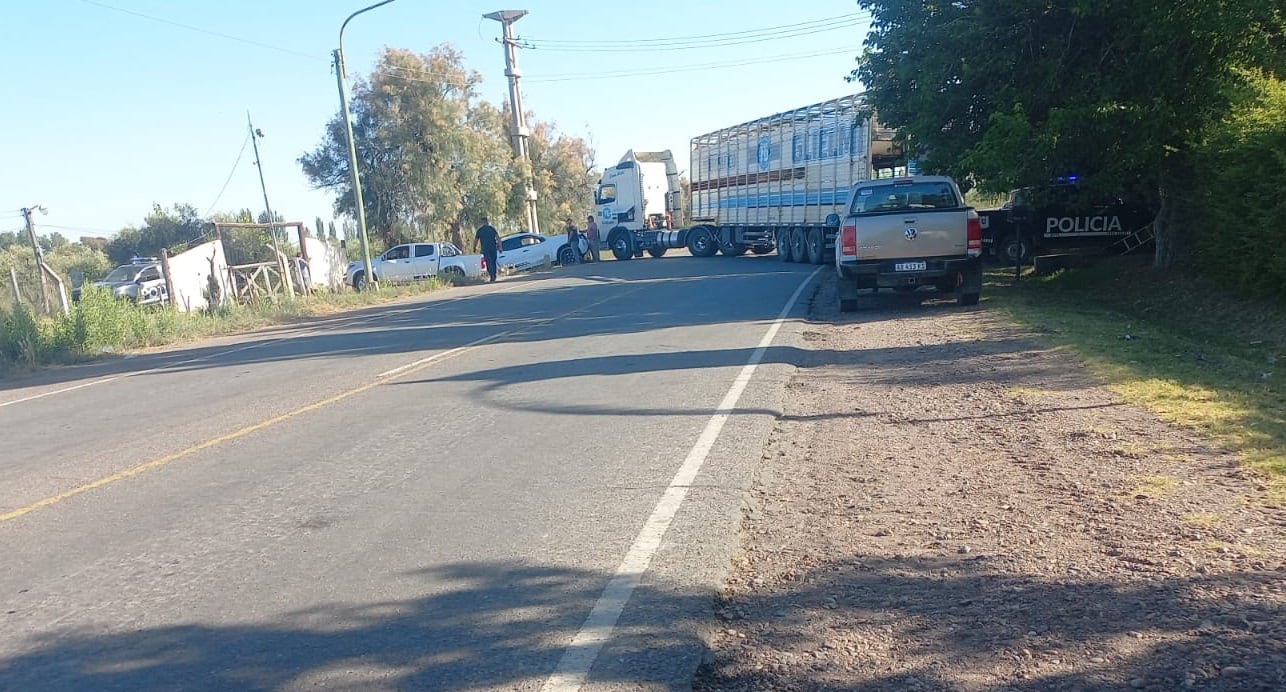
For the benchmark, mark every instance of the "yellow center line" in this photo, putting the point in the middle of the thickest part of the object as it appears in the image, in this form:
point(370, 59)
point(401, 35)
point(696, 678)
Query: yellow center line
point(214, 442)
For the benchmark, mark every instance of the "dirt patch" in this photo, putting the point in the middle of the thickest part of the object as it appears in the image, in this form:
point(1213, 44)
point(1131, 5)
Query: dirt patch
point(947, 504)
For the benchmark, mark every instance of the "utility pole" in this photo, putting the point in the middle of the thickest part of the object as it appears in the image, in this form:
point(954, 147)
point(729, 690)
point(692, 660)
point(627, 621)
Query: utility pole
point(255, 134)
point(40, 254)
point(518, 119)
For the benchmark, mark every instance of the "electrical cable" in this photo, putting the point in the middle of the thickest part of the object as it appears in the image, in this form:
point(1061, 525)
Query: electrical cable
point(232, 172)
point(711, 38)
point(198, 29)
point(688, 68)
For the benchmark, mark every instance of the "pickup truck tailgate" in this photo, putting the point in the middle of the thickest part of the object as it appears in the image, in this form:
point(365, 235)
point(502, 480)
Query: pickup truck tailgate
point(900, 220)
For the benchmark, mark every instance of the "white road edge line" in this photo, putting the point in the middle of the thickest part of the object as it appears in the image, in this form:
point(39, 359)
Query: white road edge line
point(577, 660)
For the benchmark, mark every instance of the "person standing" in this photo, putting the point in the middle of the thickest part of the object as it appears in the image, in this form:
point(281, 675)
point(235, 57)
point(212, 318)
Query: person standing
point(591, 231)
point(573, 241)
point(489, 239)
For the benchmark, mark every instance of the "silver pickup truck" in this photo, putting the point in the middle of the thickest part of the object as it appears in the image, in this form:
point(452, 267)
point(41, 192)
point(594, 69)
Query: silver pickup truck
point(908, 233)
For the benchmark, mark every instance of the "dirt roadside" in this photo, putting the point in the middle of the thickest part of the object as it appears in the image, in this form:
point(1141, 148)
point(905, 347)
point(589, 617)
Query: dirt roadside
point(949, 505)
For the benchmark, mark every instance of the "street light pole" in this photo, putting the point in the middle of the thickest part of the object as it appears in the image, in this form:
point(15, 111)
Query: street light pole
point(340, 76)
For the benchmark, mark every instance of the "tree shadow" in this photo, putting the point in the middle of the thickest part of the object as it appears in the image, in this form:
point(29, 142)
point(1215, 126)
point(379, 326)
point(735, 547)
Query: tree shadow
point(1212, 629)
point(479, 626)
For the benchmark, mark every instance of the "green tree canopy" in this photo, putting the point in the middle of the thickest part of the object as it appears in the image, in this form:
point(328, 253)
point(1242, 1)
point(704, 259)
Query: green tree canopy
point(434, 158)
point(1006, 92)
point(173, 229)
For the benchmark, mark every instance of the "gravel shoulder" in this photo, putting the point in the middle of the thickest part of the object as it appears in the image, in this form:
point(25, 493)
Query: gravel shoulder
point(948, 504)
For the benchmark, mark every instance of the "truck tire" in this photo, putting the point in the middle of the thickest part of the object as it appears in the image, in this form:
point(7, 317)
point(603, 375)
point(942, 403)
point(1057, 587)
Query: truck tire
point(701, 242)
point(761, 249)
point(733, 250)
point(622, 243)
point(783, 245)
point(1013, 249)
point(798, 248)
point(359, 281)
point(657, 252)
point(454, 275)
point(814, 243)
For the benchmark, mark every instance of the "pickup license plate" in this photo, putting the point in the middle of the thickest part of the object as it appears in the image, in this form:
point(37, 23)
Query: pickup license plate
point(909, 267)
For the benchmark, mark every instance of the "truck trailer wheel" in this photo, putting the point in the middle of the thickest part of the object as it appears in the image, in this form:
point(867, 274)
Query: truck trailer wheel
point(622, 244)
point(783, 245)
point(814, 243)
point(798, 247)
point(701, 242)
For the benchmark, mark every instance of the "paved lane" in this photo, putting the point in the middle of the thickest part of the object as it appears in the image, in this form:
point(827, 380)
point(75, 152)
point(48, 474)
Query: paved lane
point(430, 495)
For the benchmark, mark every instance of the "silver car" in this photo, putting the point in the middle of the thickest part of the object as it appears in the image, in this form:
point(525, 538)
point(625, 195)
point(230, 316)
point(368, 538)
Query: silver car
point(141, 281)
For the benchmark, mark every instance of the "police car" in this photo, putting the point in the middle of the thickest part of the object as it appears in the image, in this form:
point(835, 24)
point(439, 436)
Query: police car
point(142, 281)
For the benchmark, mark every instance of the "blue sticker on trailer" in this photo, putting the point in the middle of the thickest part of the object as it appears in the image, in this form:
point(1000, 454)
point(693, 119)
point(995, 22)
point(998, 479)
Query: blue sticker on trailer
point(764, 153)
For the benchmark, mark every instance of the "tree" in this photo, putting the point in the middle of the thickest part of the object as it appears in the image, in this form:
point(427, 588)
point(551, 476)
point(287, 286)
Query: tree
point(434, 158)
point(172, 229)
point(1007, 92)
point(422, 144)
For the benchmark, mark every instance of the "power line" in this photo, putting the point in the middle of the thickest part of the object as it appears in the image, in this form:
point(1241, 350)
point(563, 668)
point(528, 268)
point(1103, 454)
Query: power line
point(825, 23)
point(689, 68)
point(232, 172)
point(198, 29)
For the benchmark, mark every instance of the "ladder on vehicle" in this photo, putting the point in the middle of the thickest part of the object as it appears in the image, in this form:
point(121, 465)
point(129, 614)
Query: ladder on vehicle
point(1135, 240)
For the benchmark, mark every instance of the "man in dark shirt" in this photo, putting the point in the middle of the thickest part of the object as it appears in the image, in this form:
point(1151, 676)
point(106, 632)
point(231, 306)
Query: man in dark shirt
point(487, 236)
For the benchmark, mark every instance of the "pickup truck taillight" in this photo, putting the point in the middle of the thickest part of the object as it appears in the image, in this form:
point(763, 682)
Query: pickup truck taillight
point(974, 234)
point(848, 240)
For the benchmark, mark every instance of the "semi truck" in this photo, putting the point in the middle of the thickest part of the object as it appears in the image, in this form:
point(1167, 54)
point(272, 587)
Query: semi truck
point(776, 183)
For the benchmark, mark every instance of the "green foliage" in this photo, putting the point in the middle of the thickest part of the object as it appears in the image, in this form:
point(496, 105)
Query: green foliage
point(1009, 93)
point(1241, 218)
point(434, 158)
point(174, 229)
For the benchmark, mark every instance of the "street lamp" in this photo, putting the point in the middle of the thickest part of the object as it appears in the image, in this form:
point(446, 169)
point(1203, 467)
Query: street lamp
point(352, 148)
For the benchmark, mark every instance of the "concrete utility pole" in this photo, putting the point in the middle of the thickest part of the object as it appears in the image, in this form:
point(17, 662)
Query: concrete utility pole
point(255, 134)
point(518, 121)
point(40, 255)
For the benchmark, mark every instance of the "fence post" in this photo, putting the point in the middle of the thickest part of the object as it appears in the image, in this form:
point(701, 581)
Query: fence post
point(169, 280)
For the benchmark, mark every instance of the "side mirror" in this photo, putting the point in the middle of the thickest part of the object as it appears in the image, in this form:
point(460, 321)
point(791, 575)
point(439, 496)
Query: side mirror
point(832, 220)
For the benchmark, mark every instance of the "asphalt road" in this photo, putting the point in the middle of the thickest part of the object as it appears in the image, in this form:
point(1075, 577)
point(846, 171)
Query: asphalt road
point(530, 484)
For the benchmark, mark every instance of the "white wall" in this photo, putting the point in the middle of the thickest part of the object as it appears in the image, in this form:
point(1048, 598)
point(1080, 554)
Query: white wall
point(190, 273)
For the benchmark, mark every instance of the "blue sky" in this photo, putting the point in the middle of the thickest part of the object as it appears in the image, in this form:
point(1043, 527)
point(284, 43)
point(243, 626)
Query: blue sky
point(113, 105)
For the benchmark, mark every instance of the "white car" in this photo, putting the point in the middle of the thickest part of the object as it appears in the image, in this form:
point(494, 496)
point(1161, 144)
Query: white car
point(416, 261)
point(522, 251)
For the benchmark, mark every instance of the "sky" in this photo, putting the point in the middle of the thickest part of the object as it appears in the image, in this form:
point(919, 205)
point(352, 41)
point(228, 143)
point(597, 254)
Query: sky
point(112, 106)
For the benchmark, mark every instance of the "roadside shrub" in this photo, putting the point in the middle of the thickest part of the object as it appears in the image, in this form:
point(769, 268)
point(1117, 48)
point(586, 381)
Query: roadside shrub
point(19, 338)
point(1241, 223)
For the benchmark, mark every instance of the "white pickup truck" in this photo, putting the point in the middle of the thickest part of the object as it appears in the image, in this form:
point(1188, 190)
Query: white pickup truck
point(415, 262)
point(906, 233)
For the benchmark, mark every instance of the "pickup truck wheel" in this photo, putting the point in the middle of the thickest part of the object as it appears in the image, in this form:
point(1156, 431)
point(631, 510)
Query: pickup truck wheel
point(657, 251)
point(454, 275)
point(1012, 249)
point(814, 243)
point(622, 244)
point(783, 245)
point(798, 248)
point(359, 281)
point(701, 242)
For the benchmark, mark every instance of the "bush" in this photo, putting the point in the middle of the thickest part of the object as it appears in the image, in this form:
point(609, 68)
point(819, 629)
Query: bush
point(1242, 212)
